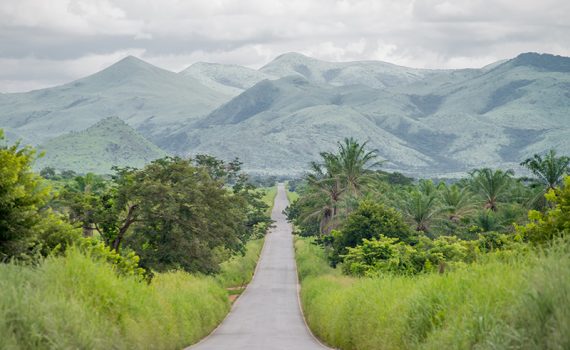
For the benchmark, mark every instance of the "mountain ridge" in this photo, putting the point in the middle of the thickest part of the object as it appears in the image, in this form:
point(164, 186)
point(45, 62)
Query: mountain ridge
point(279, 117)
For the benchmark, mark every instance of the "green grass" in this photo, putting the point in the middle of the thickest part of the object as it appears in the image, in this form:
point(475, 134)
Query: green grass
point(238, 271)
point(292, 196)
point(521, 302)
point(76, 302)
point(269, 194)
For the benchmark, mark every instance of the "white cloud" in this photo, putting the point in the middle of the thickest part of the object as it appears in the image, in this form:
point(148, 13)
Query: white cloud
point(66, 39)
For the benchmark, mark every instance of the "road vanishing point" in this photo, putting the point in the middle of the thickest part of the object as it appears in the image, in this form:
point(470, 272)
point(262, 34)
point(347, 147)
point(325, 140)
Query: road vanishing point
point(267, 316)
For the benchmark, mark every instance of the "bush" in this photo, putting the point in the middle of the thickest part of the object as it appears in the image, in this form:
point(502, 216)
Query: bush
point(370, 220)
point(27, 228)
point(126, 263)
point(554, 223)
point(387, 255)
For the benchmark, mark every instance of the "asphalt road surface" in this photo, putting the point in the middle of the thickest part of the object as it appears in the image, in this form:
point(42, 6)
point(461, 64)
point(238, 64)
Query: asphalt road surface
point(267, 316)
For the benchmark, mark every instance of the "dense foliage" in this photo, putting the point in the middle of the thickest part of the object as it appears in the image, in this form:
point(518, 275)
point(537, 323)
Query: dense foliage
point(437, 265)
point(112, 255)
point(28, 227)
point(544, 227)
point(370, 220)
point(174, 213)
point(403, 227)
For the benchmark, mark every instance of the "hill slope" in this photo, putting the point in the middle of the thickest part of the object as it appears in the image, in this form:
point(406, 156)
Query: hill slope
point(230, 79)
point(96, 149)
point(149, 98)
point(278, 118)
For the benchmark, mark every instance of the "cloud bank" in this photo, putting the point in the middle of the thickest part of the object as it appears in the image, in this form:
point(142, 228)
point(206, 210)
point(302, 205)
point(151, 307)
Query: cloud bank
point(45, 43)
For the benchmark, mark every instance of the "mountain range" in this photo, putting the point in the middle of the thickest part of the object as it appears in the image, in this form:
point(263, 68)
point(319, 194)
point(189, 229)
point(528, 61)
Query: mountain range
point(279, 117)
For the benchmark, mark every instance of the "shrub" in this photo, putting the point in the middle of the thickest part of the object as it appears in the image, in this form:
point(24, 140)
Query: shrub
point(370, 220)
point(554, 223)
point(27, 228)
point(387, 255)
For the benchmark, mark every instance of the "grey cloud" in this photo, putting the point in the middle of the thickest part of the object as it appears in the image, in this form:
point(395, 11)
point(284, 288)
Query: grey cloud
point(172, 34)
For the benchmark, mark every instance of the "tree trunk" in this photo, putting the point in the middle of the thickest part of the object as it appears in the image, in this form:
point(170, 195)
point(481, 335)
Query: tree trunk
point(325, 225)
point(121, 234)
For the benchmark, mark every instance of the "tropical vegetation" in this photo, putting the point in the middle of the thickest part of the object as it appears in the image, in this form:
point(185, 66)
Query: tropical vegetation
point(476, 262)
point(141, 258)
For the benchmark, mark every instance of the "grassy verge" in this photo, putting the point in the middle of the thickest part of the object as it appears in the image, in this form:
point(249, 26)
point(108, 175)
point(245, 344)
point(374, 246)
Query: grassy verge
point(238, 271)
point(80, 302)
point(269, 194)
point(291, 196)
point(522, 302)
point(77, 302)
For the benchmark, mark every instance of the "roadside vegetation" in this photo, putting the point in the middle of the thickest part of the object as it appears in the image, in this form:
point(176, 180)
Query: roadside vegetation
point(142, 258)
point(388, 262)
point(269, 194)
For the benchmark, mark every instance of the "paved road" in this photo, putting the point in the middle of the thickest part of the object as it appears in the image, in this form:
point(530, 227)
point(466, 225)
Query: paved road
point(267, 316)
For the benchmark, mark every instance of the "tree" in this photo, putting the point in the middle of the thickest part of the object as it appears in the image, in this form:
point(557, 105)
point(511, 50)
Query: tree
point(48, 173)
point(341, 173)
point(487, 221)
point(457, 202)
point(68, 174)
point(323, 194)
point(549, 169)
point(491, 185)
point(226, 173)
point(355, 164)
point(183, 217)
point(26, 224)
point(421, 208)
point(82, 198)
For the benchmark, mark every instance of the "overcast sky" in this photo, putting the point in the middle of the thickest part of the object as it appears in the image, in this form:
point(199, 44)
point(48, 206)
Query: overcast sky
point(49, 42)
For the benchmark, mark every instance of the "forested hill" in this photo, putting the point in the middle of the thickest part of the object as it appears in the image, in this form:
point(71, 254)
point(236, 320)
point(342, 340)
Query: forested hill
point(277, 118)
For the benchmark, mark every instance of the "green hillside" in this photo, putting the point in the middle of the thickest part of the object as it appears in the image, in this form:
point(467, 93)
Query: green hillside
point(422, 122)
point(96, 149)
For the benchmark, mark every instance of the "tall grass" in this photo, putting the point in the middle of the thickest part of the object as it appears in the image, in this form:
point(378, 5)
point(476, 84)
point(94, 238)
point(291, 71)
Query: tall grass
point(238, 271)
point(269, 194)
point(521, 302)
point(79, 302)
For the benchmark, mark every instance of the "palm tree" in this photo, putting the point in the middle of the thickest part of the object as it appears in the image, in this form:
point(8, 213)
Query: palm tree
point(550, 170)
point(488, 221)
point(420, 208)
point(457, 202)
point(325, 193)
point(339, 173)
point(354, 164)
point(491, 185)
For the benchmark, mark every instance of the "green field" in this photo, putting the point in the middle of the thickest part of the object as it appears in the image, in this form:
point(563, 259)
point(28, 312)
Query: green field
point(515, 302)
